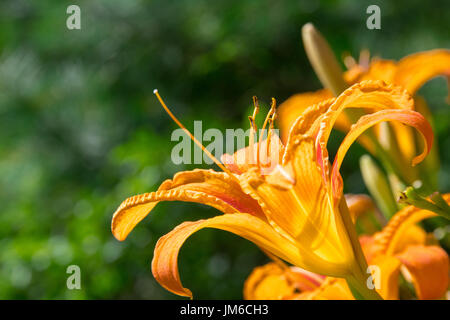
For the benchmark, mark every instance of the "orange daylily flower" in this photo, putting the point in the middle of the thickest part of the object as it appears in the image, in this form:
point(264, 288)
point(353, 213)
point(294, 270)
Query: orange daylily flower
point(293, 210)
point(410, 73)
point(401, 247)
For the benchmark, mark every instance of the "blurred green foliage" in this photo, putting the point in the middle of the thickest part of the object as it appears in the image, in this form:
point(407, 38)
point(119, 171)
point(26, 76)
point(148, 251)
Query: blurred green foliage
point(80, 129)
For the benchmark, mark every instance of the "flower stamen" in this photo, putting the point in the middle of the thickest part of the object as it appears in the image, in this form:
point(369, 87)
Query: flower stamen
point(209, 154)
point(253, 127)
point(269, 119)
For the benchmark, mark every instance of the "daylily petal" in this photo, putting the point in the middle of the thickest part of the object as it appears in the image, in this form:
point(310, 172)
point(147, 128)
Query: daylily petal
point(246, 158)
point(411, 72)
point(208, 187)
point(267, 283)
point(275, 282)
point(368, 94)
point(165, 266)
point(352, 75)
point(293, 107)
point(408, 117)
point(331, 289)
point(378, 70)
point(416, 69)
point(413, 235)
point(389, 271)
point(368, 247)
point(302, 210)
point(428, 268)
point(358, 204)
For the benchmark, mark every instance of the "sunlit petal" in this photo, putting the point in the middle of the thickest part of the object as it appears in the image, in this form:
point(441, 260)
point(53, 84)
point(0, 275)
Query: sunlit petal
point(416, 69)
point(267, 283)
point(165, 265)
point(408, 117)
point(389, 271)
point(275, 282)
point(304, 211)
point(428, 268)
point(378, 70)
point(208, 187)
point(331, 289)
point(375, 95)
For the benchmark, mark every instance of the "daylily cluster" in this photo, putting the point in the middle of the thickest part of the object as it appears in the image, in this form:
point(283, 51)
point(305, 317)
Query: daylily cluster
point(295, 210)
point(394, 144)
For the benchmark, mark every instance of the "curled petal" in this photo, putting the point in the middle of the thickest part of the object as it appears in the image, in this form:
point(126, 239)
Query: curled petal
point(408, 117)
point(165, 265)
point(427, 266)
point(305, 125)
point(208, 187)
point(375, 95)
point(413, 235)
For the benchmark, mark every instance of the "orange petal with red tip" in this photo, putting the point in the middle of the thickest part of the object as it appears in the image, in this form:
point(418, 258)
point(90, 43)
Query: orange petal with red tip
point(208, 187)
point(165, 264)
point(375, 95)
point(408, 117)
point(428, 268)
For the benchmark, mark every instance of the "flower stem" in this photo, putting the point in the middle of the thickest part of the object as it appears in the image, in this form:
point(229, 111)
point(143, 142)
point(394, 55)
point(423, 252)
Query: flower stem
point(358, 285)
point(357, 281)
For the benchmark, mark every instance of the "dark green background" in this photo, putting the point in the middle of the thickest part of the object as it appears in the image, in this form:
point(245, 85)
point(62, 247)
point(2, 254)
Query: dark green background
point(80, 129)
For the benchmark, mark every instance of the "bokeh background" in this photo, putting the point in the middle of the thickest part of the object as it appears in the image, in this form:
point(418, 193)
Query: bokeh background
point(80, 129)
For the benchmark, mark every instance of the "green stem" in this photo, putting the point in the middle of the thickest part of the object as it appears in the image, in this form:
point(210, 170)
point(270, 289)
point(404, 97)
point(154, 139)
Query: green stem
point(358, 280)
point(359, 288)
point(437, 203)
